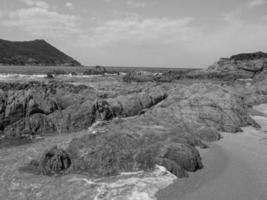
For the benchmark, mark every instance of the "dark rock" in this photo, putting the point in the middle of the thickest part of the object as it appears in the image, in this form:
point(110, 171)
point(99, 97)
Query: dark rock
point(98, 70)
point(243, 66)
point(183, 155)
point(36, 108)
point(208, 134)
point(173, 167)
point(249, 56)
point(53, 161)
point(37, 124)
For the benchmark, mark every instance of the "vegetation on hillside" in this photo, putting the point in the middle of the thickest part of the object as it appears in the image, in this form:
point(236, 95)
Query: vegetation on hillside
point(37, 52)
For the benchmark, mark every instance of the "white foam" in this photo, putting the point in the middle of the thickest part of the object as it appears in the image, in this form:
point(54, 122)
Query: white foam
point(143, 187)
point(20, 76)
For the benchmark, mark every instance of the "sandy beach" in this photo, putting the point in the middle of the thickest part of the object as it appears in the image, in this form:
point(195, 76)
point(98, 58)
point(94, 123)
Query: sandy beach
point(235, 168)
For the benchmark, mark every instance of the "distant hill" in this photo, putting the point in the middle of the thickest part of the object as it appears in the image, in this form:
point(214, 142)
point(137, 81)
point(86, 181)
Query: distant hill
point(37, 52)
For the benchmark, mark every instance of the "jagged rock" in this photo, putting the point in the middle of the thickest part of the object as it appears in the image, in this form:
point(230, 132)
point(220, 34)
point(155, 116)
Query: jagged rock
point(129, 105)
point(241, 66)
point(249, 56)
point(55, 160)
point(204, 105)
point(36, 124)
point(3, 99)
point(74, 118)
point(35, 107)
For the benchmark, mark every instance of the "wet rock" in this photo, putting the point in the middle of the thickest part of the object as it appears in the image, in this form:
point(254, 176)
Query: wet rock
point(178, 158)
point(208, 134)
point(173, 167)
point(183, 155)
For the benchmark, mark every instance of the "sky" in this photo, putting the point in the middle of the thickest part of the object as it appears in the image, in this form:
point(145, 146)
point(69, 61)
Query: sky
point(144, 33)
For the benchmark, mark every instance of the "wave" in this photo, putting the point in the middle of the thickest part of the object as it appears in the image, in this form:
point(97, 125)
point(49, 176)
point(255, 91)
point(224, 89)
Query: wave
point(20, 76)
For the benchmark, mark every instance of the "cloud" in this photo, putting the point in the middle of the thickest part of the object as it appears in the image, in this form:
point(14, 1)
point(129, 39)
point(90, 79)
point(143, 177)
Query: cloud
point(69, 5)
point(3, 14)
point(36, 3)
point(136, 3)
point(38, 20)
point(132, 3)
point(142, 30)
point(235, 36)
point(255, 3)
point(162, 41)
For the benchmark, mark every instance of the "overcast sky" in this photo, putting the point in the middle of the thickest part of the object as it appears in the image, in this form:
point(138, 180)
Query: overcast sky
point(162, 33)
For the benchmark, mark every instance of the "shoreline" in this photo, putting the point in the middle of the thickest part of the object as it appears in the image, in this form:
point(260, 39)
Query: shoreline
point(234, 168)
point(213, 158)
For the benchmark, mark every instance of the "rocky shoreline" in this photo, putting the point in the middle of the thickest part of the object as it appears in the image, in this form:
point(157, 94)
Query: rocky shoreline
point(234, 167)
point(127, 127)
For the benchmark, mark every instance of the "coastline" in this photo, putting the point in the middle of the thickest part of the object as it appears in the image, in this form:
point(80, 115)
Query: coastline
point(234, 168)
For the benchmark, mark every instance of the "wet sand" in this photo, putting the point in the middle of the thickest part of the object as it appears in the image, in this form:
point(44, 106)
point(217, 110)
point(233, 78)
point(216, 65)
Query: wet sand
point(235, 169)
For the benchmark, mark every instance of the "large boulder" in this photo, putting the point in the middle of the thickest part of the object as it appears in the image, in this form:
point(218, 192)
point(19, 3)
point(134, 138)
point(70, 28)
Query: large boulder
point(241, 66)
point(55, 160)
point(184, 155)
point(38, 108)
point(111, 152)
point(205, 105)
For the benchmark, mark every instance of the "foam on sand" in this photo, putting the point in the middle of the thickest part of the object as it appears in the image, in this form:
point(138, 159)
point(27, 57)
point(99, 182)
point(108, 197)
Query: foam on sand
point(131, 185)
point(141, 187)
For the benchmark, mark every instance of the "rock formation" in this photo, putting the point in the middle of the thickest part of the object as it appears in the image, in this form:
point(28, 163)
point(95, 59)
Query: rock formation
point(155, 124)
point(166, 134)
point(241, 65)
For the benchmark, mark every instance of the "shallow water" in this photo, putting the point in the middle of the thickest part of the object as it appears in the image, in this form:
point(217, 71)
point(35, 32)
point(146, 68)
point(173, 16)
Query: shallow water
point(235, 169)
point(18, 185)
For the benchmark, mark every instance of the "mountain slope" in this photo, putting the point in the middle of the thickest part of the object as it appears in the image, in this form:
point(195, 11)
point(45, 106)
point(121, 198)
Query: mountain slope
point(37, 52)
